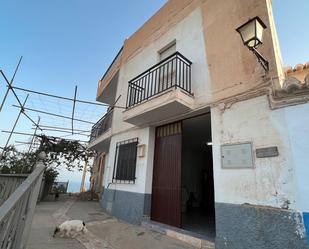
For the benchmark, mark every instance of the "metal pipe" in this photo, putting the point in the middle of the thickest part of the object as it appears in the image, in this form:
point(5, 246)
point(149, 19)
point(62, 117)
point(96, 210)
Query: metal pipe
point(29, 134)
point(52, 114)
point(64, 98)
point(16, 121)
point(32, 140)
point(61, 128)
point(11, 83)
point(81, 133)
point(74, 101)
point(20, 104)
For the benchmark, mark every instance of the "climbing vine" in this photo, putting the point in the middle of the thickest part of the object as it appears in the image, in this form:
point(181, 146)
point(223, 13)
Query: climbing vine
point(59, 153)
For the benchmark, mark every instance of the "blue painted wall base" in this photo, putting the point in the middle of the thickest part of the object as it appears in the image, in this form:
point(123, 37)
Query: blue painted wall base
point(128, 206)
point(306, 222)
point(257, 227)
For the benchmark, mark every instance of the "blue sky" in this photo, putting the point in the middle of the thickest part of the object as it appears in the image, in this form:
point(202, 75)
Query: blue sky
point(63, 44)
point(292, 19)
point(72, 42)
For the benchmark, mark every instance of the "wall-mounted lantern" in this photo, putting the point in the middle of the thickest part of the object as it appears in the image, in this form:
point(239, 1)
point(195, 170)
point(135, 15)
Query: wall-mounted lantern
point(252, 36)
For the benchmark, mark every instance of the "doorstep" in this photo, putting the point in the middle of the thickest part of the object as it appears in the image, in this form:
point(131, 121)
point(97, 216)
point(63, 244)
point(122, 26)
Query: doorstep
point(191, 238)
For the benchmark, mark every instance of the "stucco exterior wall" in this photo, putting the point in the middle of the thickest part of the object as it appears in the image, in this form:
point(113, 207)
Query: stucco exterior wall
point(227, 68)
point(222, 67)
point(110, 73)
point(233, 68)
point(272, 196)
point(272, 180)
point(297, 119)
point(298, 130)
point(143, 164)
point(188, 34)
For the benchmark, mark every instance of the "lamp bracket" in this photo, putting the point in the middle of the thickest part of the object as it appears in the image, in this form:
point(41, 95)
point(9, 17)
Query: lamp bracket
point(261, 59)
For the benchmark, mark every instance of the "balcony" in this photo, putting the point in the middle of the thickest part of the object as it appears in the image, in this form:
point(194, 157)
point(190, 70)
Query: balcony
point(107, 86)
point(101, 132)
point(162, 91)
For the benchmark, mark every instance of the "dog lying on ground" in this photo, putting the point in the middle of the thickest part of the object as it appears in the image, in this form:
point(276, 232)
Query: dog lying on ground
point(70, 228)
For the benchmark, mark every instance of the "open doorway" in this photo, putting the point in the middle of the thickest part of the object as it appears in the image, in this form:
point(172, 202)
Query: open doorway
point(197, 183)
point(183, 184)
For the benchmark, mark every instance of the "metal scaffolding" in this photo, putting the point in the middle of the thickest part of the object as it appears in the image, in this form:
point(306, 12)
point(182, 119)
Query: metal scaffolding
point(45, 128)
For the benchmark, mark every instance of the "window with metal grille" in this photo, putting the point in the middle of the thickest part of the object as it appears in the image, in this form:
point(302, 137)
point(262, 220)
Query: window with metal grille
point(125, 161)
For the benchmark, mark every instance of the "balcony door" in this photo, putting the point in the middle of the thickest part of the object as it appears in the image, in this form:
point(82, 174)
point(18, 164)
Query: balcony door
point(166, 189)
point(167, 74)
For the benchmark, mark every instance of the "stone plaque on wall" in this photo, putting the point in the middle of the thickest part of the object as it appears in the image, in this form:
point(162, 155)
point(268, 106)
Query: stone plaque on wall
point(236, 156)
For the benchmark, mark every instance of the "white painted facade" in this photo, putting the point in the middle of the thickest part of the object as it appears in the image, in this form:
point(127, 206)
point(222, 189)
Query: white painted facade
point(272, 180)
point(275, 181)
point(188, 34)
point(143, 164)
point(279, 182)
point(297, 120)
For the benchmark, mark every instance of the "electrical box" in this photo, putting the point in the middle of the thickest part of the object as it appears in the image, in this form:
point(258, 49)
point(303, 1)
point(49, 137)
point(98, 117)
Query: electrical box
point(237, 156)
point(141, 150)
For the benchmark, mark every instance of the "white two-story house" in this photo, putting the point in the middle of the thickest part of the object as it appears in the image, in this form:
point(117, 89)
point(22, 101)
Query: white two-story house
point(204, 134)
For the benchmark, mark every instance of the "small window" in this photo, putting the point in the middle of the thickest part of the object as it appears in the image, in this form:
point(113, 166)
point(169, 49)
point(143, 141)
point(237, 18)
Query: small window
point(125, 161)
point(167, 50)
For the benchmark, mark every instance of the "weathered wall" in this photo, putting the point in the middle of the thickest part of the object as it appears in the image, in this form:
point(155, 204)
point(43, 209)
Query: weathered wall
point(297, 119)
point(271, 181)
point(255, 227)
point(271, 187)
point(222, 67)
point(233, 68)
point(173, 12)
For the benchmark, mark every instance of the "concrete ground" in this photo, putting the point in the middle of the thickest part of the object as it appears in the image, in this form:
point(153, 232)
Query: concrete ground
point(42, 229)
point(104, 231)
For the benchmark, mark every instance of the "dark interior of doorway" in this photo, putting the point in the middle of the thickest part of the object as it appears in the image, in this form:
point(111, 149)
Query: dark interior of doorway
point(197, 184)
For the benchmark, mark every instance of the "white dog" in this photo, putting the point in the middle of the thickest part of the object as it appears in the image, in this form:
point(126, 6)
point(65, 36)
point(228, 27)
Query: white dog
point(70, 228)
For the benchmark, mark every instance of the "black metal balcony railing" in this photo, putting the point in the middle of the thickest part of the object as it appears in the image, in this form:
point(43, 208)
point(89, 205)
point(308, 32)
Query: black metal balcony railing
point(172, 72)
point(101, 126)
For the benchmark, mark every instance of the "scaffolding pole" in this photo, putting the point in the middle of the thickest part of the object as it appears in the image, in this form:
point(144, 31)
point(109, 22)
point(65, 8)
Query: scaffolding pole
point(18, 100)
point(64, 98)
point(79, 133)
point(65, 131)
point(53, 114)
point(16, 121)
point(61, 128)
point(10, 84)
point(74, 102)
point(29, 134)
point(32, 140)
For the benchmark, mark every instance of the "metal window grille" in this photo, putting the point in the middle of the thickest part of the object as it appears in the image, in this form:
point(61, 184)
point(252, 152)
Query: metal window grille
point(125, 161)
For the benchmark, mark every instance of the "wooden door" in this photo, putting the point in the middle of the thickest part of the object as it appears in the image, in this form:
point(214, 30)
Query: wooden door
point(166, 188)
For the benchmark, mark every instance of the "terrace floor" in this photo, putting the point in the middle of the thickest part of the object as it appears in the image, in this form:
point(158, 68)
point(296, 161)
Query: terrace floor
point(104, 231)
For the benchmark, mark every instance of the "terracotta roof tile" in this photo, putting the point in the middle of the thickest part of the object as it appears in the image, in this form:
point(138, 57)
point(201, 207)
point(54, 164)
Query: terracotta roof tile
point(298, 68)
